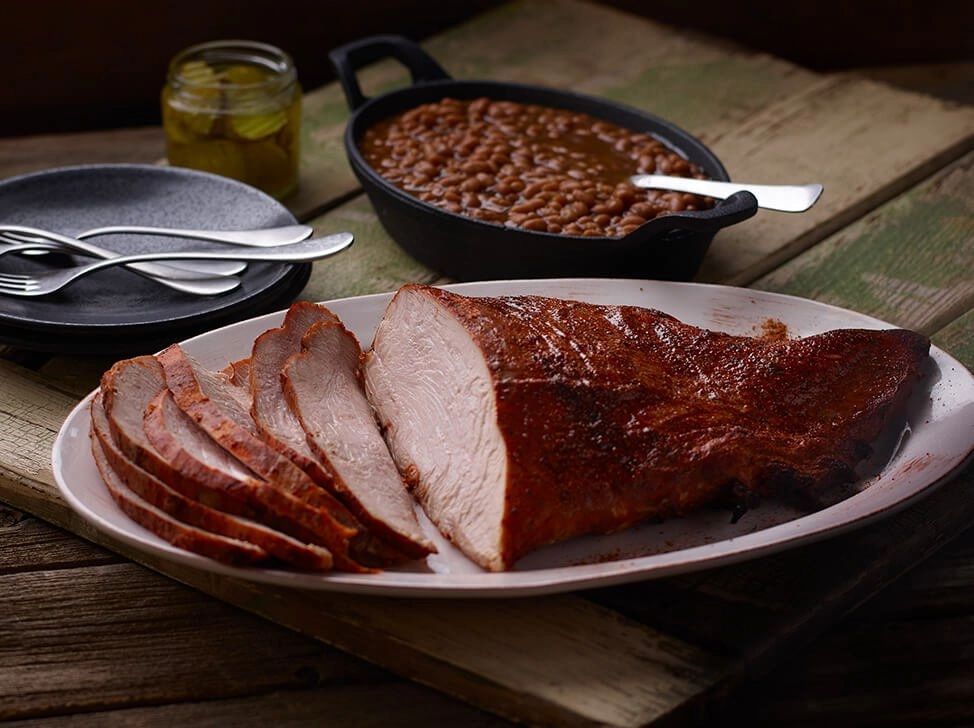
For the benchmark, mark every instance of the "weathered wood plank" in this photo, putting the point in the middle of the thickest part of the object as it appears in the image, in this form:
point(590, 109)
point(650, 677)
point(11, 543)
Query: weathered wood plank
point(924, 679)
point(391, 703)
point(471, 663)
point(577, 663)
point(943, 588)
point(865, 142)
point(141, 645)
point(21, 155)
point(132, 652)
point(427, 641)
point(949, 80)
point(374, 264)
point(33, 412)
point(73, 375)
point(909, 262)
point(27, 543)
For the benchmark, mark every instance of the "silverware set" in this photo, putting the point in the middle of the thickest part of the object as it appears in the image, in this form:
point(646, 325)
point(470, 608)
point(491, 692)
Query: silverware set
point(200, 272)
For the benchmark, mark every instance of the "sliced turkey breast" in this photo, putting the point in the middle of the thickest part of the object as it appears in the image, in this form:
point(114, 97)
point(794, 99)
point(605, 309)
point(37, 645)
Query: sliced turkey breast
point(127, 389)
point(217, 478)
point(238, 372)
point(156, 493)
point(432, 390)
point(161, 439)
point(220, 408)
point(522, 421)
point(277, 422)
point(211, 402)
point(183, 535)
point(324, 389)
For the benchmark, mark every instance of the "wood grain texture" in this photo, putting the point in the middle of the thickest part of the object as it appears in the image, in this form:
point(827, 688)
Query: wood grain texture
point(865, 142)
point(909, 262)
point(372, 705)
point(142, 646)
point(29, 544)
point(22, 155)
point(902, 659)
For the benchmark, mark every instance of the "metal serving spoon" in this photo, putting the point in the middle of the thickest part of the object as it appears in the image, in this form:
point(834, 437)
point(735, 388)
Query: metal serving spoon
point(786, 198)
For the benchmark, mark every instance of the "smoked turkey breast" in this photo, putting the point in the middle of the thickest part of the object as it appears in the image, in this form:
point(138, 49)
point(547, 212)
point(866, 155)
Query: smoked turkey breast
point(523, 421)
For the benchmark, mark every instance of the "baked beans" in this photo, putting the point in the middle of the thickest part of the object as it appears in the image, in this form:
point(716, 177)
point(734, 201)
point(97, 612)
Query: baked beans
point(527, 166)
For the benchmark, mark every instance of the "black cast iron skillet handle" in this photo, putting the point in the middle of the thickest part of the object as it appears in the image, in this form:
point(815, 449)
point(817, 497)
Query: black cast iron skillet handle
point(347, 59)
point(739, 206)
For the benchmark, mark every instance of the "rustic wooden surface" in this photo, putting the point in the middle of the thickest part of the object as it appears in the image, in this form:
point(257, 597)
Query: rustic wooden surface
point(87, 637)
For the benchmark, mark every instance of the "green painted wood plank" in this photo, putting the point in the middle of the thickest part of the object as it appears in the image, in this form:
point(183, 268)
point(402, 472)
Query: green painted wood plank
point(864, 141)
point(910, 262)
point(958, 338)
point(373, 264)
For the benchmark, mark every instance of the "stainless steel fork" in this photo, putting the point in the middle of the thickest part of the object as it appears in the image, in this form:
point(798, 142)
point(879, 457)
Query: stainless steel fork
point(192, 282)
point(42, 284)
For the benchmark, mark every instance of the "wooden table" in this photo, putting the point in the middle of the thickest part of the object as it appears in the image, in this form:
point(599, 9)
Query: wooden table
point(817, 635)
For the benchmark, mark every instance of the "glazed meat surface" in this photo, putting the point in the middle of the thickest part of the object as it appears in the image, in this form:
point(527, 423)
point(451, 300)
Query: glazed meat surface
point(526, 421)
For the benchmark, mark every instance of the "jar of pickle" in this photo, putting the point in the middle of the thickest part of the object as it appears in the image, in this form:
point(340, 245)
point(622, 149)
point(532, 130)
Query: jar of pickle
point(233, 108)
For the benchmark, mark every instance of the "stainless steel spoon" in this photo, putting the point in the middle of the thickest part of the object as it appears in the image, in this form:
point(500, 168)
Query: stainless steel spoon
point(259, 238)
point(785, 198)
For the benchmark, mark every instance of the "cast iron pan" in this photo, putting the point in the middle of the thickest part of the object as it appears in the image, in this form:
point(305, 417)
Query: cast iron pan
point(671, 247)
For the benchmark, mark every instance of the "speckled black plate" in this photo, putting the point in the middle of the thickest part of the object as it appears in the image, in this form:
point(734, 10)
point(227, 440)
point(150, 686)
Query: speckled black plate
point(116, 311)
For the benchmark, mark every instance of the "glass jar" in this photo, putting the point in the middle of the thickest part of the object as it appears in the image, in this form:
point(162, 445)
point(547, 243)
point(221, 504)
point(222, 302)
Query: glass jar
point(233, 107)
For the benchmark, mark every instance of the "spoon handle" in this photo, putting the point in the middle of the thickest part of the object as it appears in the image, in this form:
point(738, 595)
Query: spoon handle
point(785, 198)
point(261, 237)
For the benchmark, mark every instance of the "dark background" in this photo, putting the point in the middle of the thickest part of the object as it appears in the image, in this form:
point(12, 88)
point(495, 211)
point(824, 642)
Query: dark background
point(100, 63)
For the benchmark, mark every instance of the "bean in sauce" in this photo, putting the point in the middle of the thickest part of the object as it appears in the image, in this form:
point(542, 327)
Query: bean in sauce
point(528, 166)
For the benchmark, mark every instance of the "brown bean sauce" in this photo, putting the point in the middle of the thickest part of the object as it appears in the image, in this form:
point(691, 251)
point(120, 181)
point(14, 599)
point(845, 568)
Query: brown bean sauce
point(528, 166)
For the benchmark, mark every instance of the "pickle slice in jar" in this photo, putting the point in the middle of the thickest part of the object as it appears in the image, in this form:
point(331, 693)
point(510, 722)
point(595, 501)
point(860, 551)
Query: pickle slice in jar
point(269, 166)
point(247, 94)
point(243, 74)
point(257, 126)
point(198, 73)
point(205, 82)
point(219, 156)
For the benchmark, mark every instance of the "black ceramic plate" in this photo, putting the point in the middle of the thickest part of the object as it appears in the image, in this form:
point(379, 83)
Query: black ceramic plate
point(116, 311)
